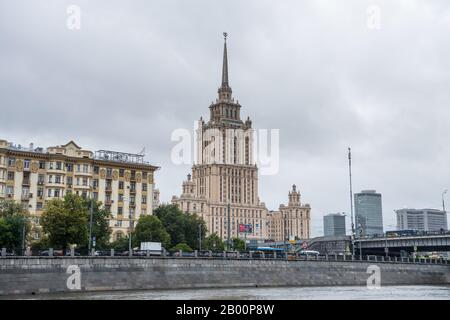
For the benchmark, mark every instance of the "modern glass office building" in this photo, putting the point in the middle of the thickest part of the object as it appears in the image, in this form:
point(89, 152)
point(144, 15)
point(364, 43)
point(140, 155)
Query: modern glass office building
point(334, 224)
point(368, 213)
point(421, 219)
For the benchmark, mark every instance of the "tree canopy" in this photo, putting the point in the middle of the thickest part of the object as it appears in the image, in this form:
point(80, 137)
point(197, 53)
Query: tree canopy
point(214, 243)
point(150, 229)
point(66, 222)
point(14, 224)
point(182, 227)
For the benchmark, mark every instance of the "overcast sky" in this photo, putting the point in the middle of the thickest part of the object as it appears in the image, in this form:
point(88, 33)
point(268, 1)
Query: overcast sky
point(317, 70)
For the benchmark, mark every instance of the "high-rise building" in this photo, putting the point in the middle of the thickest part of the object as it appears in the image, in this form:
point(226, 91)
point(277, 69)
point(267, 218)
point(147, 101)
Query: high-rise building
point(421, 219)
point(368, 213)
point(123, 182)
point(223, 187)
point(334, 224)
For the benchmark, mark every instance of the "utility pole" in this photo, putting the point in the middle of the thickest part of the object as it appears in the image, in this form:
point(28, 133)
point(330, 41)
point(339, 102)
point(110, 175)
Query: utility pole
point(351, 200)
point(443, 202)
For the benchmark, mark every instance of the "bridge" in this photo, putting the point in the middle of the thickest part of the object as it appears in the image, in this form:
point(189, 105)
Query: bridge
point(431, 242)
point(393, 246)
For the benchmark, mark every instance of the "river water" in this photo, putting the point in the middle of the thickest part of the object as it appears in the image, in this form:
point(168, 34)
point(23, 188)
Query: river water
point(280, 293)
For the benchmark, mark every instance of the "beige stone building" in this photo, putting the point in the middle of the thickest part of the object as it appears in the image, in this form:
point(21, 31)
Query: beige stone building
point(122, 182)
point(223, 186)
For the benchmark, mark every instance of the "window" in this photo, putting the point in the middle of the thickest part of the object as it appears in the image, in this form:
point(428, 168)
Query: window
point(40, 192)
point(39, 206)
point(144, 174)
point(119, 211)
point(26, 164)
point(49, 193)
point(95, 195)
point(57, 193)
point(69, 180)
point(96, 169)
point(132, 186)
point(50, 178)
point(144, 187)
point(10, 175)
point(57, 179)
point(50, 165)
point(78, 167)
point(95, 183)
point(78, 181)
point(133, 174)
point(85, 168)
point(85, 181)
point(69, 167)
point(120, 185)
point(9, 189)
point(58, 165)
point(41, 164)
point(121, 172)
point(144, 200)
point(11, 162)
point(119, 224)
point(108, 172)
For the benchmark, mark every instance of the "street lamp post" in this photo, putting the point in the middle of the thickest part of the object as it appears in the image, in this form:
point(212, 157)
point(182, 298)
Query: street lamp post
point(351, 200)
point(130, 252)
point(91, 210)
point(229, 225)
point(200, 237)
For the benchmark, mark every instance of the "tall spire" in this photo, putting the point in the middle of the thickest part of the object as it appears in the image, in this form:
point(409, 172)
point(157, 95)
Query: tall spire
point(225, 90)
point(225, 62)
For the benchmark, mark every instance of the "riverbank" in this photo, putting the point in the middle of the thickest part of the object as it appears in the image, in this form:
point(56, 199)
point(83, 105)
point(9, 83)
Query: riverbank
point(41, 275)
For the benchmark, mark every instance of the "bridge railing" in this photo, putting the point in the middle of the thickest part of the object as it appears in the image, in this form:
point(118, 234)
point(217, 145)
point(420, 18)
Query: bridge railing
point(229, 255)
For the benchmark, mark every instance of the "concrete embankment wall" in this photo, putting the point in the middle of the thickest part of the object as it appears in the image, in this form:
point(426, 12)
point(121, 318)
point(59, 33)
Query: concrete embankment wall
point(45, 274)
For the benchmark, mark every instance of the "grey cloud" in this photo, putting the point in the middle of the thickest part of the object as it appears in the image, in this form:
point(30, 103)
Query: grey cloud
point(138, 70)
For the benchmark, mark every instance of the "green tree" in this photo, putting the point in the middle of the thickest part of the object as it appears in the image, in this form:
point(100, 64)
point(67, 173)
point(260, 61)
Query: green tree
point(238, 244)
point(182, 227)
point(214, 243)
point(100, 224)
point(120, 244)
point(65, 222)
point(183, 246)
point(14, 224)
point(150, 228)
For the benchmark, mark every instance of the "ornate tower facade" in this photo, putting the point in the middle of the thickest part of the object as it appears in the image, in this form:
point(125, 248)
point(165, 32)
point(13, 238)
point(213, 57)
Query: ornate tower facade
point(225, 172)
point(223, 186)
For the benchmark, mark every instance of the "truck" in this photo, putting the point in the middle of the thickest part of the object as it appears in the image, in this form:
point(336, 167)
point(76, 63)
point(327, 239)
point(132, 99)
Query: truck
point(152, 248)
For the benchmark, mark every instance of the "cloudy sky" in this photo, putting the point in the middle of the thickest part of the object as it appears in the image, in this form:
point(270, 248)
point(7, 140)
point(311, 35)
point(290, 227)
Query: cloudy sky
point(323, 72)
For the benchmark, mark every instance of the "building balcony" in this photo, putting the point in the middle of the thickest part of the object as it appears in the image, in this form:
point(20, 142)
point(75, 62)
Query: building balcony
point(132, 204)
point(83, 187)
point(133, 190)
point(108, 188)
point(84, 174)
point(57, 171)
point(108, 202)
point(26, 182)
point(26, 197)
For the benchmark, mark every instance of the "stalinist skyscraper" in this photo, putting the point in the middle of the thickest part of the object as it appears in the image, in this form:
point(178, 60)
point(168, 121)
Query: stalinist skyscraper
point(223, 187)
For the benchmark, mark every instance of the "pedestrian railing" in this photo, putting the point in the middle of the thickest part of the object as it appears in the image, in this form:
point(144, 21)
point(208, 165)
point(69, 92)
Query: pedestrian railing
point(228, 255)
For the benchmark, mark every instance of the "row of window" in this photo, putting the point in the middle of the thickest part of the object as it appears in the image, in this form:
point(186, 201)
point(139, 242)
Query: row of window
point(83, 168)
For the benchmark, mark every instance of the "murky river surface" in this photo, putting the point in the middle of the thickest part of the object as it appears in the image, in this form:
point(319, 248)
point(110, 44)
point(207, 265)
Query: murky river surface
point(284, 293)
